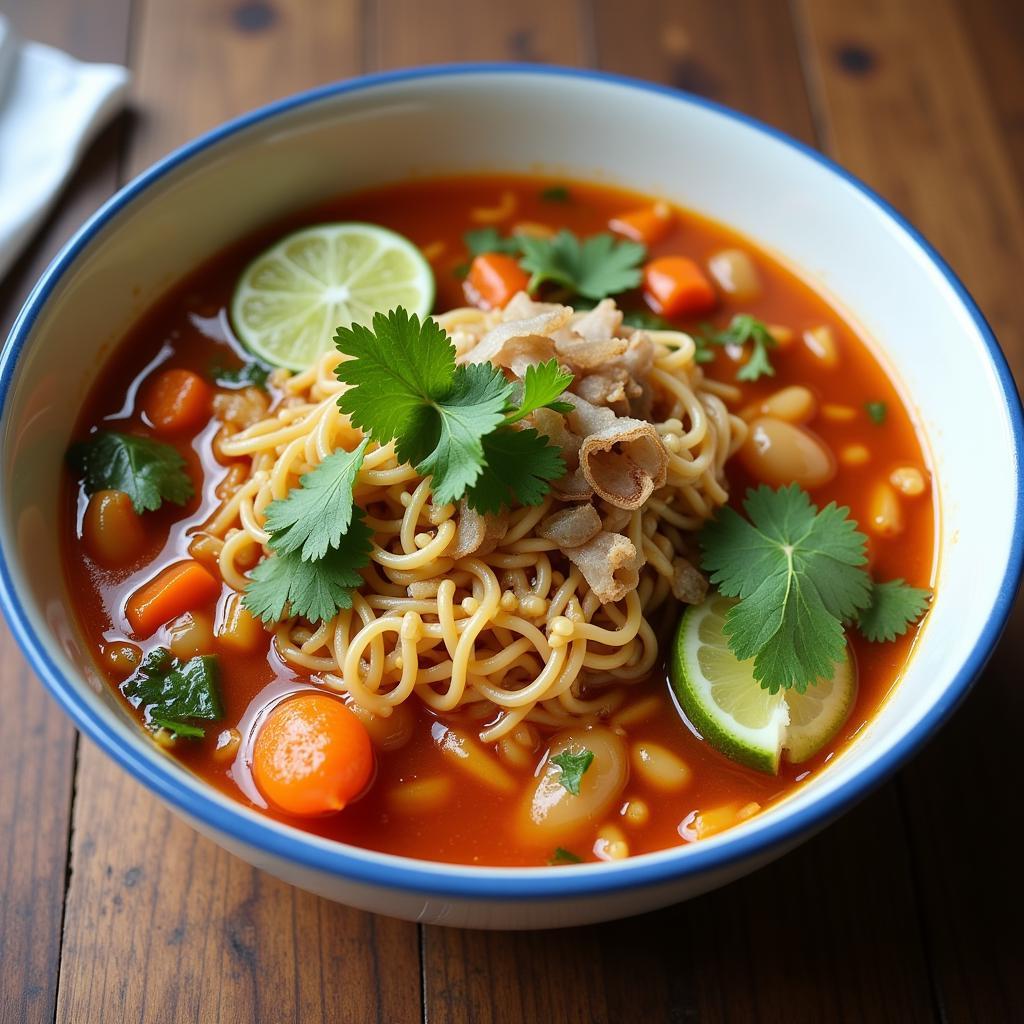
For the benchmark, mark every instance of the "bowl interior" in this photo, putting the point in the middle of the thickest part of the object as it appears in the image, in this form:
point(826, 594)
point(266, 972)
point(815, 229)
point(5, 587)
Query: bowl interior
point(583, 127)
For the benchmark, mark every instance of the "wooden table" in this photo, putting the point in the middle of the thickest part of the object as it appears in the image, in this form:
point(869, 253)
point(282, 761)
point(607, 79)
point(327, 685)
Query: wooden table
point(908, 909)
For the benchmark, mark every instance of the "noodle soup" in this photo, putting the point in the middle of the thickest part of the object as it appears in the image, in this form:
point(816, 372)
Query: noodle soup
point(484, 679)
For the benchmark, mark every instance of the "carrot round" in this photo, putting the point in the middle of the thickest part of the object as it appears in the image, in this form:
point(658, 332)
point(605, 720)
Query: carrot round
point(495, 277)
point(649, 224)
point(181, 587)
point(312, 756)
point(177, 401)
point(676, 286)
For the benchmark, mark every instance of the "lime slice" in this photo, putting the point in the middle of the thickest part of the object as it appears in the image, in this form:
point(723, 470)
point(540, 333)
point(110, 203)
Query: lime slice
point(817, 714)
point(292, 298)
point(734, 713)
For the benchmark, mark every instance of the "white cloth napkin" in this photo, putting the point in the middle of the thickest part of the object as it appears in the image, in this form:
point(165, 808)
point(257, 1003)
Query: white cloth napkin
point(51, 106)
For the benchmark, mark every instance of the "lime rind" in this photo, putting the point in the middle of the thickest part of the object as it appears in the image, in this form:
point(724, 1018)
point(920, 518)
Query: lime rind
point(290, 300)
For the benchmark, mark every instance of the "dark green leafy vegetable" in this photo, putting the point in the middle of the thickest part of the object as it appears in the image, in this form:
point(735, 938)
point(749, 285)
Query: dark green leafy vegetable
point(168, 691)
point(564, 856)
point(877, 411)
point(646, 319)
point(573, 765)
point(252, 374)
point(484, 240)
point(148, 471)
point(555, 194)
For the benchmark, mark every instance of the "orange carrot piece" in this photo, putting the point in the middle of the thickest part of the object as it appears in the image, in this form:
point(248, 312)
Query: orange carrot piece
point(676, 286)
point(648, 225)
point(312, 756)
point(181, 587)
point(177, 401)
point(494, 278)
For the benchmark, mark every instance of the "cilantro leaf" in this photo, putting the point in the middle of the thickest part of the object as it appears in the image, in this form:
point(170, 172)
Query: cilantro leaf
point(564, 856)
point(168, 690)
point(596, 267)
point(541, 387)
point(406, 387)
point(314, 517)
point(877, 411)
point(894, 606)
point(284, 585)
point(518, 464)
point(148, 471)
point(742, 329)
point(484, 240)
point(252, 374)
point(555, 194)
point(798, 574)
point(453, 453)
point(573, 766)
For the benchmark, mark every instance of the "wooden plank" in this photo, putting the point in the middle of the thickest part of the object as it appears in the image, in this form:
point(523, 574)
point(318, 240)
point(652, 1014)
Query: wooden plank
point(996, 31)
point(711, 959)
point(200, 63)
point(161, 925)
point(399, 35)
point(904, 94)
point(37, 743)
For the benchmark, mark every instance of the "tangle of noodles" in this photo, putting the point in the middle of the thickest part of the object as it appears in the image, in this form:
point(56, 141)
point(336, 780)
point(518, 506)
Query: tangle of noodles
point(506, 634)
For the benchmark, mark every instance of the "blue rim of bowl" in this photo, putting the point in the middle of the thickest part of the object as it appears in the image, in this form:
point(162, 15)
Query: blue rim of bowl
point(470, 882)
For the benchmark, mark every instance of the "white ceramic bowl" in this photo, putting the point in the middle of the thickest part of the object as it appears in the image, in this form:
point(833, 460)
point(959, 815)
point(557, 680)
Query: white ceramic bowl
point(582, 125)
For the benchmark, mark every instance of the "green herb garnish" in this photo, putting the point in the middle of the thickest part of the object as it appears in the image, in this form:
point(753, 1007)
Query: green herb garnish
point(168, 691)
point(148, 471)
point(743, 328)
point(484, 240)
point(894, 606)
point(595, 267)
point(573, 767)
point(252, 374)
point(877, 412)
point(453, 423)
point(284, 584)
point(555, 194)
point(799, 575)
point(564, 856)
point(315, 516)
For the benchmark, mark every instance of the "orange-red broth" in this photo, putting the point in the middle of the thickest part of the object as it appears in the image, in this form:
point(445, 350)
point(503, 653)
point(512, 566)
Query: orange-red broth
point(477, 824)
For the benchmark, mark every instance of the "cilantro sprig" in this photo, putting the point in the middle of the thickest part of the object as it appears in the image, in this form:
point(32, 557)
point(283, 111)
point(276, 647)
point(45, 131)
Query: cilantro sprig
point(742, 329)
point(799, 573)
point(455, 424)
point(149, 472)
point(594, 267)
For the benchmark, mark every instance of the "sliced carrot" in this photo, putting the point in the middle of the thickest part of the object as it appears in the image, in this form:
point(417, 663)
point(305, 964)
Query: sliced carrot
point(494, 278)
point(649, 225)
point(181, 587)
point(312, 756)
point(177, 401)
point(676, 286)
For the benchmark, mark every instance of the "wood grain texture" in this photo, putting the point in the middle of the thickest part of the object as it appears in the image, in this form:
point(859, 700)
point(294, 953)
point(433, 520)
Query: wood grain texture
point(200, 62)
point(906, 97)
point(161, 925)
point(37, 743)
point(164, 926)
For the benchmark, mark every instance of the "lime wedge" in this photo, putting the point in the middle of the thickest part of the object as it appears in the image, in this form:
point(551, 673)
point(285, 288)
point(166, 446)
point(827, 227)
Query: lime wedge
point(734, 713)
point(292, 298)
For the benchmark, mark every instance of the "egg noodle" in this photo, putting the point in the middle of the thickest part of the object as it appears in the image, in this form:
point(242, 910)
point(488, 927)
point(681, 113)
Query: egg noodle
point(512, 631)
